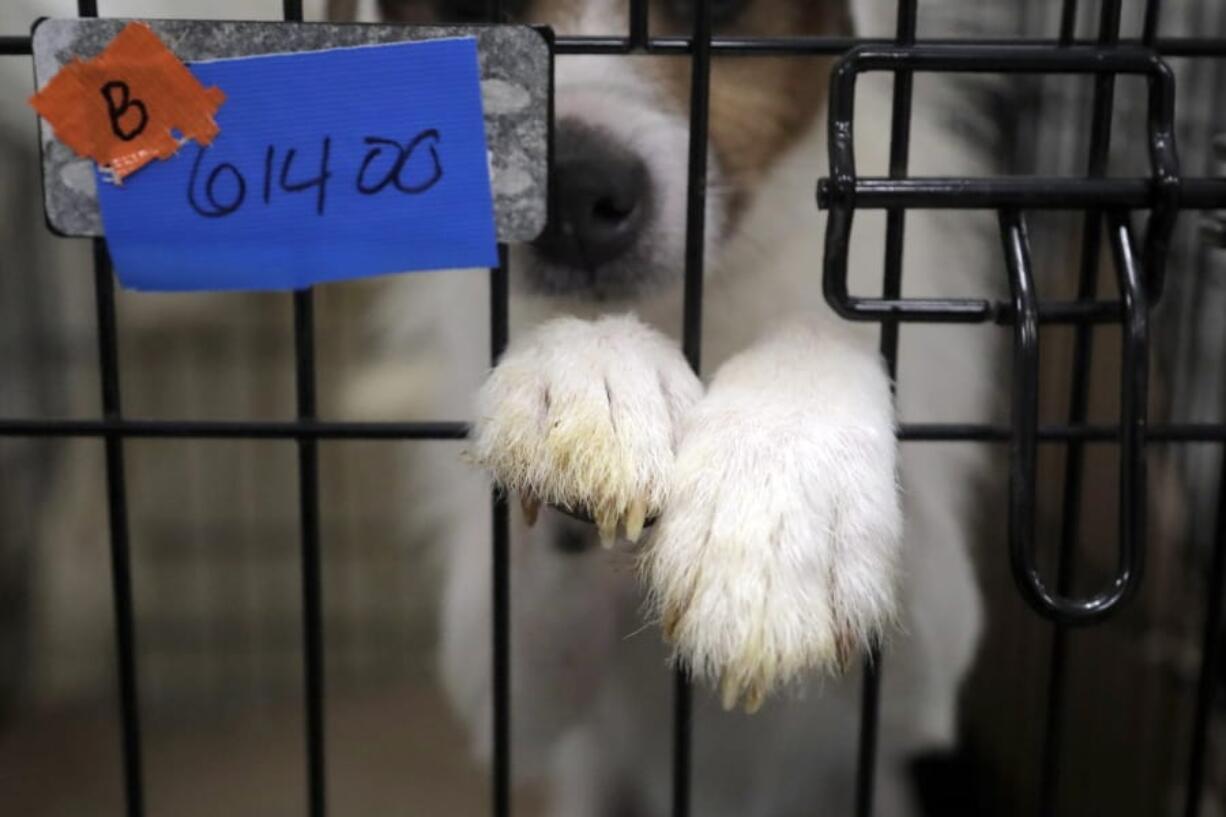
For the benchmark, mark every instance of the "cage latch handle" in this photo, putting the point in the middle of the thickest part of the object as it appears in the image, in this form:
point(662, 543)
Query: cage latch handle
point(1023, 447)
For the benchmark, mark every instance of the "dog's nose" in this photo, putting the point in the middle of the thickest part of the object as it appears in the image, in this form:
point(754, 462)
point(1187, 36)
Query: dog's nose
point(600, 198)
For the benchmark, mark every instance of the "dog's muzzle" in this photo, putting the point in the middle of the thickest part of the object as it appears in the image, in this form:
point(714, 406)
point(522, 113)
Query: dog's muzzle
point(601, 207)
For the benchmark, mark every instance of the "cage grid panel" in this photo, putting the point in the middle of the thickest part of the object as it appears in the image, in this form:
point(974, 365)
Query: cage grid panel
point(1106, 203)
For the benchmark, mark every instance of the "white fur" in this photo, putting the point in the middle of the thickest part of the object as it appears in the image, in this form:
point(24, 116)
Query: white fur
point(778, 544)
point(599, 91)
point(777, 550)
point(553, 425)
point(630, 107)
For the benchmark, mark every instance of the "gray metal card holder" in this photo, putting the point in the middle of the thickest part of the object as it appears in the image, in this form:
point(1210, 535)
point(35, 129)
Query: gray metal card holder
point(516, 78)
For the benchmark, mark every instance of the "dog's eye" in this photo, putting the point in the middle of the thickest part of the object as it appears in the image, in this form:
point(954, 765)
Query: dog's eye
point(722, 11)
point(474, 11)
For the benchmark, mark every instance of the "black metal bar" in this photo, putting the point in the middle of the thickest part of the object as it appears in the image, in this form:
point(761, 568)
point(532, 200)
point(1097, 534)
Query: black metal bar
point(1178, 47)
point(1211, 656)
point(866, 757)
point(891, 287)
point(15, 46)
point(501, 543)
point(695, 259)
point(501, 521)
point(234, 429)
point(639, 25)
point(308, 512)
point(1010, 58)
point(1079, 398)
point(1068, 22)
point(500, 803)
point(1023, 448)
point(734, 46)
point(1029, 192)
point(312, 574)
point(117, 519)
point(1167, 183)
point(501, 773)
point(1013, 58)
point(330, 430)
point(1149, 29)
point(1209, 433)
point(900, 141)
point(696, 191)
point(500, 294)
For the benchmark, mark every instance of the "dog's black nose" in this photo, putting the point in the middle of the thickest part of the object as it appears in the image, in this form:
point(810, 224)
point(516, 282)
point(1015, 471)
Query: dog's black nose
point(600, 198)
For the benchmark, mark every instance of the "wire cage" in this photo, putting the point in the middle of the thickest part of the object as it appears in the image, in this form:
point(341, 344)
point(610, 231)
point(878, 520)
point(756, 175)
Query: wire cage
point(1111, 209)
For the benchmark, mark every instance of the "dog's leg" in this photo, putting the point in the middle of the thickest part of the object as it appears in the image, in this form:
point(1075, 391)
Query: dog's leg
point(564, 629)
point(582, 414)
point(778, 546)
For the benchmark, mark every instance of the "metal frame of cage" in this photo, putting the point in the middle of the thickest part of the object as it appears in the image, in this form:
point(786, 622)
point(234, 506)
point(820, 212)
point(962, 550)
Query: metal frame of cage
point(1105, 202)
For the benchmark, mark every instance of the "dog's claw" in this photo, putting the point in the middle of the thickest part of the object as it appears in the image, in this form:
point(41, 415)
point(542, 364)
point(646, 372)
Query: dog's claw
point(584, 416)
point(668, 625)
point(729, 691)
point(636, 517)
point(732, 688)
point(844, 651)
point(531, 507)
point(754, 695)
point(606, 523)
point(750, 693)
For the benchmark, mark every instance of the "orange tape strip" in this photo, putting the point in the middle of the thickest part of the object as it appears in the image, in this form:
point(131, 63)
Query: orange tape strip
point(133, 103)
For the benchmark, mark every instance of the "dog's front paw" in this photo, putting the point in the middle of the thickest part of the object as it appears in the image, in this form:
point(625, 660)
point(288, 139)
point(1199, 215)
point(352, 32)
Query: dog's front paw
point(777, 551)
point(585, 415)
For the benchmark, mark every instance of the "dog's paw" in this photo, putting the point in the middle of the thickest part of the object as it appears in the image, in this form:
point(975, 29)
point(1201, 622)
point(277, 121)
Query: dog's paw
point(585, 415)
point(777, 551)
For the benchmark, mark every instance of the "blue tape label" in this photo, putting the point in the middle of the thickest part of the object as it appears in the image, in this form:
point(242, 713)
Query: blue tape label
point(329, 165)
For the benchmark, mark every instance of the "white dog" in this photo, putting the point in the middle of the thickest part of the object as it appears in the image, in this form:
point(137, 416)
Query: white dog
point(790, 530)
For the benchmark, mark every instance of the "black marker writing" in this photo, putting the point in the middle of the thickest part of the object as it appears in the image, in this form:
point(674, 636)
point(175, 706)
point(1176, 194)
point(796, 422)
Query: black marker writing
point(388, 163)
point(394, 174)
point(118, 106)
point(320, 181)
point(269, 155)
point(216, 208)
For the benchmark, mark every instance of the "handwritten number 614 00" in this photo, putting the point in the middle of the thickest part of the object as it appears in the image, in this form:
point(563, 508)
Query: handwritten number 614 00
point(387, 163)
